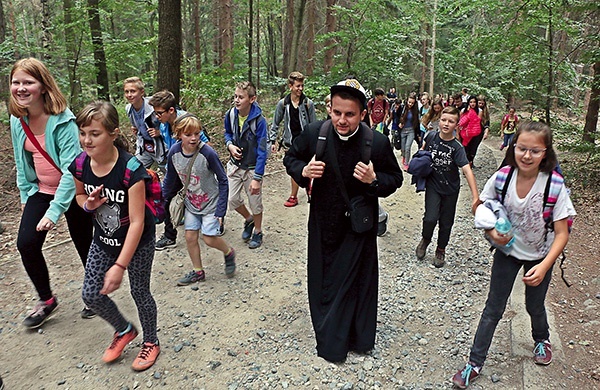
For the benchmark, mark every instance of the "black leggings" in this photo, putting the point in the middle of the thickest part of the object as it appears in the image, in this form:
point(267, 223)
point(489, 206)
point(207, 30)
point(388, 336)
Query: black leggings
point(30, 241)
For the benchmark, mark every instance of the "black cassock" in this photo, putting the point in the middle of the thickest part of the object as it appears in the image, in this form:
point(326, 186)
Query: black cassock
point(342, 265)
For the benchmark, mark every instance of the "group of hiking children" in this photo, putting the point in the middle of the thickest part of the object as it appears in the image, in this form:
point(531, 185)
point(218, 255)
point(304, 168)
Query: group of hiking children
point(105, 192)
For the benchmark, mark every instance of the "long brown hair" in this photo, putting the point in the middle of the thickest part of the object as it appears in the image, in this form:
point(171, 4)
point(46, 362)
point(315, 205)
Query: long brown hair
point(54, 101)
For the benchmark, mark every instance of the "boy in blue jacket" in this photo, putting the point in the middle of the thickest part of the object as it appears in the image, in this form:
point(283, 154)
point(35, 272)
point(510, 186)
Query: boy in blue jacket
point(246, 140)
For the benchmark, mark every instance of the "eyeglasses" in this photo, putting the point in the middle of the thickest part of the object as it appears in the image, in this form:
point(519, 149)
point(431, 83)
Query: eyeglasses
point(521, 150)
point(159, 113)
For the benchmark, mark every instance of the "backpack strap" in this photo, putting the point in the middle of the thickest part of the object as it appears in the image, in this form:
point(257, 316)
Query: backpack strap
point(365, 152)
point(503, 177)
point(322, 139)
point(79, 161)
point(132, 164)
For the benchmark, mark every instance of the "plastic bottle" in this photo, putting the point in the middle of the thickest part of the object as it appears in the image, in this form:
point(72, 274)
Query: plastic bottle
point(504, 227)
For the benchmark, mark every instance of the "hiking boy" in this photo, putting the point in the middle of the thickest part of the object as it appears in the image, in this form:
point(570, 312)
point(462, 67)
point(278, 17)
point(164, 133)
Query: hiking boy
point(149, 145)
point(379, 109)
point(166, 111)
point(297, 111)
point(246, 140)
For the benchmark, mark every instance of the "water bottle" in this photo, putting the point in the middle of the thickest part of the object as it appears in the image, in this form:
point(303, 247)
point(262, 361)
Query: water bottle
point(504, 227)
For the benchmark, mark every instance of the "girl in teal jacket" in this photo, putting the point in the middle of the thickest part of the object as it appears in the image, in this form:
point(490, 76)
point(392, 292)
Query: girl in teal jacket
point(46, 187)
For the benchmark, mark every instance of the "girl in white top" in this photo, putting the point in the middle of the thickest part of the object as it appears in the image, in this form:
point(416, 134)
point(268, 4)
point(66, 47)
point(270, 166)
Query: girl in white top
point(535, 248)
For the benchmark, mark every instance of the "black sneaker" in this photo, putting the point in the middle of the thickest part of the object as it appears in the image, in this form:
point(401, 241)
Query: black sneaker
point(230, 264)
point(40, 313)
point(164, 243)
point(256, 240)
point(248, 229)
point(87, 313)
point(1, 384)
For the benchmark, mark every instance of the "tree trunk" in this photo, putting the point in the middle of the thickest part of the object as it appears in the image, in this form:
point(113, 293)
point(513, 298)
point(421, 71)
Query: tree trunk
point(226, 34)
point(310, 37)
point(330, 42)
point(197, 46)
point(72, 45)
point(4, 93)
point(423, 62)
point(288, 37)
point(299, 22)
point(102, 87)
point(271, 49)
point(432, 58)
point(249, 42)
point(257, 43)
point(46, 34)
point(549, 39)
point(169, 46)
point(591, 117)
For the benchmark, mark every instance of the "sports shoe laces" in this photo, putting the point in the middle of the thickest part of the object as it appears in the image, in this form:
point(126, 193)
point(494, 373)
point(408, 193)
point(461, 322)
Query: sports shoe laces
point(146, 350)
point(38, 310)
point(116, 339)
point(540, 349)
point(466, 373)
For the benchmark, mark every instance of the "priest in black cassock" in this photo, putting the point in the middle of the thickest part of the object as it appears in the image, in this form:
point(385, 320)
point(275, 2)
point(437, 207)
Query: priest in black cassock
point(342, 264)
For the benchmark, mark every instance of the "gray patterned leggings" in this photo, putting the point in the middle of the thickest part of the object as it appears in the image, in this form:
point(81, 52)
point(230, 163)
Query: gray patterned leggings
point(139, 270)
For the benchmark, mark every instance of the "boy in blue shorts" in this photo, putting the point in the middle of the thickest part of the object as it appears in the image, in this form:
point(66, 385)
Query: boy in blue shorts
point(246, 140)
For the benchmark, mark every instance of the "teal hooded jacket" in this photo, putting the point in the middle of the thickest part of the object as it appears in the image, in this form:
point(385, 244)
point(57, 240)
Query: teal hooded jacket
point(62, 144)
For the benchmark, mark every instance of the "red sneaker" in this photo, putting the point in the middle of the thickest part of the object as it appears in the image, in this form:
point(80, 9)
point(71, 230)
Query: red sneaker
point(119, 343)
point(543, 353)
point(146, 358)
point(464, 377)
point(291, 202)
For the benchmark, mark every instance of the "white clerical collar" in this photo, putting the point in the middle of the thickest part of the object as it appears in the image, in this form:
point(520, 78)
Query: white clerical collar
point(346, 137)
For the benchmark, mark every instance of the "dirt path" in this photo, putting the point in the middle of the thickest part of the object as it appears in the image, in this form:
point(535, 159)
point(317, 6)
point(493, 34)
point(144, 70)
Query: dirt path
point(254, 331)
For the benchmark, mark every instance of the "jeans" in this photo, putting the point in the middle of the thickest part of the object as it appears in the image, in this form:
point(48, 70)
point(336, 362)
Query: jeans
point(170, 230)
point(407, 136)
point(439, 208)
point(504, 271)
point(30, 241)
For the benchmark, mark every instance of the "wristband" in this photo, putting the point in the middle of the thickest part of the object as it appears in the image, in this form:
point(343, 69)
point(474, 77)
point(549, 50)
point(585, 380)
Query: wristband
point(120, 266)
point(86, 209)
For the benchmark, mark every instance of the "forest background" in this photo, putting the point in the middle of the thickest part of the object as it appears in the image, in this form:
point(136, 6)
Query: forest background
point(543, 55)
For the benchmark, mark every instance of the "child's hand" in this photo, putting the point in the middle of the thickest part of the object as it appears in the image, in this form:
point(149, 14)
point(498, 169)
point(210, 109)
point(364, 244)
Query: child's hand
point(535, 275)
point(112, 280)
point(499, 239)
point(235, 151)
point(94, 200)
point(255, 187)
point(152, 132)
point(44, 224)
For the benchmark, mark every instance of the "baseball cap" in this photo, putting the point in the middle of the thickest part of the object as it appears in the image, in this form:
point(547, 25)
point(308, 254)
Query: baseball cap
point(351, 87)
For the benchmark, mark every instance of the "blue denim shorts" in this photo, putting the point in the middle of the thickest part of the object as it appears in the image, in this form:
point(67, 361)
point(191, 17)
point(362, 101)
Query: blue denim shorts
point(207, 224)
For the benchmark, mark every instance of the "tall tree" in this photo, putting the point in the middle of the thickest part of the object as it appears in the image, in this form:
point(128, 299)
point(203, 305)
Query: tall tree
point(591, 117)
point(250, 37)
point(288, 37)
point(330, 41)
point(226, 34)
point(169, 46)
point(102, 86)
point(73, 43)
point(310, 37)
point(3, 80)
point(298, 23)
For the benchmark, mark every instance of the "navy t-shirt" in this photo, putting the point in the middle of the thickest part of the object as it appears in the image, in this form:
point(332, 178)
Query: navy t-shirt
point(111, 220)
point(447, 157)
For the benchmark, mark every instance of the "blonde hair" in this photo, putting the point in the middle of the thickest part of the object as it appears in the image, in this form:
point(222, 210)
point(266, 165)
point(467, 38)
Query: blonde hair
point(248, 87)
point(186, 124)
point(54, 101)
point(136, 81)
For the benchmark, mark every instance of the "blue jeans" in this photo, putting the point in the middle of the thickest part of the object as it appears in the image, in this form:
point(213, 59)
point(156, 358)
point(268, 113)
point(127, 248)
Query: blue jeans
point(504, 272)
point(407, 136)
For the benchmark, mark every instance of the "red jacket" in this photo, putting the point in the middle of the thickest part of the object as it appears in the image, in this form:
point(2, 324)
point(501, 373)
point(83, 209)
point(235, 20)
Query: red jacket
point(470, 126)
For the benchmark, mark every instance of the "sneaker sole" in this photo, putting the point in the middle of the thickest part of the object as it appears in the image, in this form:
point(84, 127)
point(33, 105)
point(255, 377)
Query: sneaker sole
point(162, 248)
point(43, 321)
point(190, 283)
point(141, 367)
point(87, 317)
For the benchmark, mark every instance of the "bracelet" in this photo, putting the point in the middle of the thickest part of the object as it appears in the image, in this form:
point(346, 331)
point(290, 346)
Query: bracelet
point(120, 266)
point(86, 209)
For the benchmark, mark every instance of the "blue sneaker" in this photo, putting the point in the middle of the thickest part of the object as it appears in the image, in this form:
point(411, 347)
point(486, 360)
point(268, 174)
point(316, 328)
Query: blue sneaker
point(256, 240)
point(248, 229)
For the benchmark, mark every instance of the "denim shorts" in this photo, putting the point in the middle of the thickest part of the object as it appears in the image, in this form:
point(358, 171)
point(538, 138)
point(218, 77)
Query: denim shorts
point(207, 224)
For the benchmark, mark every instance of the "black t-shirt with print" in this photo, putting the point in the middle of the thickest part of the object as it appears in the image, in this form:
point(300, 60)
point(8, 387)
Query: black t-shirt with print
point(447, 157)
point(111, 220)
